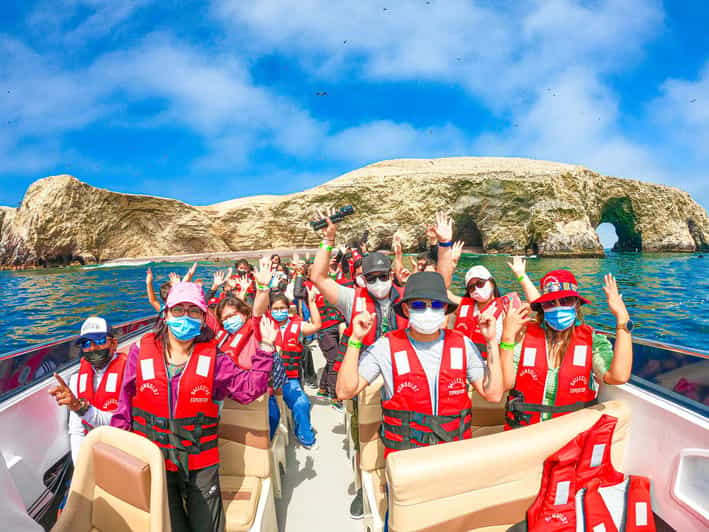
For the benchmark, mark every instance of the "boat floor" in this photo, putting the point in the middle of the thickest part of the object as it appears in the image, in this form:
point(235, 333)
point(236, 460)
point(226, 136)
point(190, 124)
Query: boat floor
point(318, 485)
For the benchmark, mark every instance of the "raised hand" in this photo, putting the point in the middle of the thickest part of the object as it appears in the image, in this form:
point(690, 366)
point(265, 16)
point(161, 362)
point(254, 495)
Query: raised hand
point(174, 278)
point(268, 331)
point(615, 299)
point(149, 276)
point(190, 272)
point(361, 325)
point(488, 323)
point(457, 251)
point(516, 320)
point(396, 243)
point(331, 230)
point(263, 274)
point(219, 278)
point(518, 265)
point(443, 228)
point(404, 275)
point(63, 395)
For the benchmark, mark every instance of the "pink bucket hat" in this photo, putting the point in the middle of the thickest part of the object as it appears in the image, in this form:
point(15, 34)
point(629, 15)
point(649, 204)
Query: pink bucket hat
point(186, 293)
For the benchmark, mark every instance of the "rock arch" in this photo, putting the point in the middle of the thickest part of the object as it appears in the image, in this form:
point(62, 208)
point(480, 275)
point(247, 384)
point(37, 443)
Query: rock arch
point(468, 231)
point(619, 212)
point(697, 235)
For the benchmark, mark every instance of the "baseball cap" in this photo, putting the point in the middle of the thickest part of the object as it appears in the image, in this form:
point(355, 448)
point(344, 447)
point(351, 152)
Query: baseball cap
point(477, 272)
point(375, 262)
point(94, 328)
point(185, 292)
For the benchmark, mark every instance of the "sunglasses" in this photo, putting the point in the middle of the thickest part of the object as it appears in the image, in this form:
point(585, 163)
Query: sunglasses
point(478, 284)
point(86, 343)
point(192, 312)
point(423, 305)
point(384, 277)
point(563, 302)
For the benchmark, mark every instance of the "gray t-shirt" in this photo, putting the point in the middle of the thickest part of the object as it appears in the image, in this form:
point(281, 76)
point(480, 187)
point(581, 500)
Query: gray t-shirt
point(346, 304)
point(376, 360)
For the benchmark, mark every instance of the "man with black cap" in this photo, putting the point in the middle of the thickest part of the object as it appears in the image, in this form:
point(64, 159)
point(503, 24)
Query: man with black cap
point(425, 368)
point(93, 392)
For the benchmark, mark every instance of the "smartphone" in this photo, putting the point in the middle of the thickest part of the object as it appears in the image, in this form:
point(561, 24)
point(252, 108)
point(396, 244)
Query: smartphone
point(511, 299)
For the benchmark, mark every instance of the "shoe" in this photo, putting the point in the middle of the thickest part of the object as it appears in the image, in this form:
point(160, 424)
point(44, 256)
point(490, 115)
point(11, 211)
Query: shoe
point(322, 393)
point(357, 506)
point(312, 447)
point(311, 386)
point(337, 406)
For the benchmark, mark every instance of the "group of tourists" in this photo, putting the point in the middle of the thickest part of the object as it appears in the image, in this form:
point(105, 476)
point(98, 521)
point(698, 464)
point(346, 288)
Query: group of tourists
point(250, 333)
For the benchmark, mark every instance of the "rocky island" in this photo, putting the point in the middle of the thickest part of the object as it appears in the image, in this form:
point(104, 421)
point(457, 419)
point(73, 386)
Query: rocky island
point(500, 205)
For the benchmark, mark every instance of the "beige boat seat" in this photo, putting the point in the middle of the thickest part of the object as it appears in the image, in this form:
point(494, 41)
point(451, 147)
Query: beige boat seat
point(372, 456)
point(246, 466)
point(487, 482)
point(118, 486)
point(487, 418)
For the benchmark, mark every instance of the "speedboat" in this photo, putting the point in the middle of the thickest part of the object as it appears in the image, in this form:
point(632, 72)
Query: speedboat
point(485, 483)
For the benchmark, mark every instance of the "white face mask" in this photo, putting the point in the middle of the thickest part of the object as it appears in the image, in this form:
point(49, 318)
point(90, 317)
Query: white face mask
point(379, 289)
point(427, 321)
point(482, 294)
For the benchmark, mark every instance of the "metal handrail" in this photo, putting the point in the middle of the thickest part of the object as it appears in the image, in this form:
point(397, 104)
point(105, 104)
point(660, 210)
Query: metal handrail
point(695, 352)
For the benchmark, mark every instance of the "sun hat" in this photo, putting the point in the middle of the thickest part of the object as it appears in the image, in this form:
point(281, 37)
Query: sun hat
point(477, 272)
point(375, 262)
point(94, 328)
point(557, 284)
point(186, 293)
point(425, 285)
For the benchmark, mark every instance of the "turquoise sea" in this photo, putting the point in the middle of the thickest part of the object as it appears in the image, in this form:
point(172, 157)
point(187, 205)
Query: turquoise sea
point(667, 294)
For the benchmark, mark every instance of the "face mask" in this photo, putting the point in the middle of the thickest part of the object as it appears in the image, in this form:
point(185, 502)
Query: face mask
point(233, 324)
point(427, 321)
point(185, 328)
point(379, 289)
point(279, 315)
point(482, 294)
point(99, 359)
point(560, 318)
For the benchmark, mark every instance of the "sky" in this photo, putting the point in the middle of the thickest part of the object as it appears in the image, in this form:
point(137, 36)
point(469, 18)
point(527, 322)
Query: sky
point(212, 100)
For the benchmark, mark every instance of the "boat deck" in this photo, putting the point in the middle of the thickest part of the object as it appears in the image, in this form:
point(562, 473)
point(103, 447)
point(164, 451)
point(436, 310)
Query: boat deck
point(318, 486)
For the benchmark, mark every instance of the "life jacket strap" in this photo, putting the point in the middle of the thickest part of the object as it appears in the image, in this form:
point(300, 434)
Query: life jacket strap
point(519, 412)
point(410, 436)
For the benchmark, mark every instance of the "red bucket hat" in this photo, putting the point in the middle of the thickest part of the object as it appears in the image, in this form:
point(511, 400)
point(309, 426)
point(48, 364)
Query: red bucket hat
point(558, 284)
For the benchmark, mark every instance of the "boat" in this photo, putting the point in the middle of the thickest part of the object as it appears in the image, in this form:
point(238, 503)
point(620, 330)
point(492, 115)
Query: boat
point(467, 485)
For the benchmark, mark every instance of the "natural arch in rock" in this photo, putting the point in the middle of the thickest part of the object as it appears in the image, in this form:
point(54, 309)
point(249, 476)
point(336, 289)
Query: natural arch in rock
point(697, 236)
point(619, 213)
point(468, 231)
point(607, 235)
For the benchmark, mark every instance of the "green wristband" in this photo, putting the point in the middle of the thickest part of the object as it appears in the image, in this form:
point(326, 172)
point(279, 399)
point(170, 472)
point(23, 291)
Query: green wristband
point(325, 246)
point(508, 346)
point(521, 277)
point(354, 343)
point(261, 287)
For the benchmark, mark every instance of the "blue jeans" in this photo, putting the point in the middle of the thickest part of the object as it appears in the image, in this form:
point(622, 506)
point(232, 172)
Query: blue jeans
point(298, 402)
point(274, 415)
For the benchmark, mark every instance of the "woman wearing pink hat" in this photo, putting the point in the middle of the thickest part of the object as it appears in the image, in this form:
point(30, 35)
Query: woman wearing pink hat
point(552, 364)
point(171, 386)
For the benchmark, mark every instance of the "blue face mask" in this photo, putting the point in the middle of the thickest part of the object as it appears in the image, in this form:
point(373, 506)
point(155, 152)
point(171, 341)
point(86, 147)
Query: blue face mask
point(184, 328)
point(233, 324)
point(279, 315)
point(560, 318)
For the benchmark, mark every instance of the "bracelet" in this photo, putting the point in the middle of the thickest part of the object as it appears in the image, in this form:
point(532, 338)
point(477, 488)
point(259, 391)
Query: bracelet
point(323, 245)
point(521, 277)
point(85, 405)
point(261, 287)
point(354, 343)
point(445, 244)
point(509, 346)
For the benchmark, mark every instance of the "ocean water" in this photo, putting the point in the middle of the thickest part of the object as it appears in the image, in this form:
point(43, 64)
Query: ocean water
point(667, 294)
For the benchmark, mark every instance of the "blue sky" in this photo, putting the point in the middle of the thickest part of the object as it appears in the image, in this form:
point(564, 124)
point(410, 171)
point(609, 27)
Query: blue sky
point(207, 101)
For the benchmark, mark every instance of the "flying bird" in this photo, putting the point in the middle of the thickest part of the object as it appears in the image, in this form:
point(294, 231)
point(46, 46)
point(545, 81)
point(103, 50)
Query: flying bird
point(321, 93)
point(692, 100)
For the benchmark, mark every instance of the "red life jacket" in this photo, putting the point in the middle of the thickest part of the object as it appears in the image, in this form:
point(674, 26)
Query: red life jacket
point(408, 420)
point(585, 462)
point(187, 437)
point(329, 315)
point(573, 392)
point(233, 344)
point(288, 342)
point(109, 389)
point(466, 321)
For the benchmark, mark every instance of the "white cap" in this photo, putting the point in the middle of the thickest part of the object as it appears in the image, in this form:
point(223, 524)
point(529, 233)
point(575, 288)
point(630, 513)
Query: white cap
point(477, 272)
point(94, 327)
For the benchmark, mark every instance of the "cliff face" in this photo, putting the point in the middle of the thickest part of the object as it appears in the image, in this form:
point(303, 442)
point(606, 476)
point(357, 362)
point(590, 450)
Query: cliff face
point(499, 204)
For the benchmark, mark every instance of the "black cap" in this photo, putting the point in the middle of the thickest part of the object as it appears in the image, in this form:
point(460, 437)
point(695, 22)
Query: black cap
point(375, 262)
point(425, 285)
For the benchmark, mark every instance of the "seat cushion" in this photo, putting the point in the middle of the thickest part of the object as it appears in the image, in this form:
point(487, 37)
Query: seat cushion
point(380, 487)
point(240, 496)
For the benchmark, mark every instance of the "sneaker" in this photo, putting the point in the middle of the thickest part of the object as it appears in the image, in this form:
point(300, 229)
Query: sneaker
point(357, 506)
point(311, 385)
point(337, 406)
point(322, 392)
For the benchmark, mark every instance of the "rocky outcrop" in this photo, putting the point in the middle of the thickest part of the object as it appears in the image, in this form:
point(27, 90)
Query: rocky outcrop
point(503, 205)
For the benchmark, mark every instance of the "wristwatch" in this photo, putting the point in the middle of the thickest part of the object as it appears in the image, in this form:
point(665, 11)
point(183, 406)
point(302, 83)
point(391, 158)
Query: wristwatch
point(84, 407)
point(627, 326)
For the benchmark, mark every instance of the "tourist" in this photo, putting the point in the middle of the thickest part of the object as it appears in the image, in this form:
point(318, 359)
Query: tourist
point(292, 330)
point(92, 394)
point(173, 366)
point(164, 290)
point(552, 365)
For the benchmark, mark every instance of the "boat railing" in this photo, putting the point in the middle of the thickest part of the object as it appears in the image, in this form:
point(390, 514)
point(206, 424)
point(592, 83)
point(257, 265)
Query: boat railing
point(23, 368)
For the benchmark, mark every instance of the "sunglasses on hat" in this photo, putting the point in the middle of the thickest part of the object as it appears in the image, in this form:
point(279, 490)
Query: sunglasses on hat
point(86, 343)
